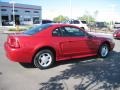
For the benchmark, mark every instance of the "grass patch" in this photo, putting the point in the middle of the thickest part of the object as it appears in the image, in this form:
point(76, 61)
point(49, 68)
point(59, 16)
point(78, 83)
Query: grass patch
point(20, 28)
point(14, 29)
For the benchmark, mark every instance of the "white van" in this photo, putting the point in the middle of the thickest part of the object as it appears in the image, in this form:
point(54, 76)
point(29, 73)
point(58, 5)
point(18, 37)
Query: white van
point(117, 25)
point(79, 23)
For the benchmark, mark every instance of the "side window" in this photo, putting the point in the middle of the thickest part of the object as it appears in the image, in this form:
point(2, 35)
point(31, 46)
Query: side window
point(56, 32)
point(72, 31)
point(76, 22)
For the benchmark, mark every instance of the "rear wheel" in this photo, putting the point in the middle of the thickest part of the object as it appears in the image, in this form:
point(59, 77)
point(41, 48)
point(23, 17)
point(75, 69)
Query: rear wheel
point(83, 28)
point(44, 59)
point(103, 50)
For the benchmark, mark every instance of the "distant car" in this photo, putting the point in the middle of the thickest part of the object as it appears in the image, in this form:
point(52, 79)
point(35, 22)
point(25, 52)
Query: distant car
point(100, 25)
point(6, 22)
point(45, 44)
point(117, 25)
point(81, 24)
point(116, 34)
point(11, 22)
point(45, 21)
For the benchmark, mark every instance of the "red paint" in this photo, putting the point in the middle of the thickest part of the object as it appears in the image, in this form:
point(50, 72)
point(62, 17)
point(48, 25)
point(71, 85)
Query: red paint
point(24, 46)
point(116, 34)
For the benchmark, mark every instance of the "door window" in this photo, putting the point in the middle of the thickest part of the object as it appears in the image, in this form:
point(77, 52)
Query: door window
point(72, 31)
point(56, 32)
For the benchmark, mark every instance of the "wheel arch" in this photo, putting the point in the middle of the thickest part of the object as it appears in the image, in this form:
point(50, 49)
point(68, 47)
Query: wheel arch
point(106, 42)
point(82, 28)
point(43, 48)
point(99, 50)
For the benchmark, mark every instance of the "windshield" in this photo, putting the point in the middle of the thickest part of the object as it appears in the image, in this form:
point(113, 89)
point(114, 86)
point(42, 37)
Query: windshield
point(84, 22)
point(117, 22)
point(36, 29)
point(74, 22)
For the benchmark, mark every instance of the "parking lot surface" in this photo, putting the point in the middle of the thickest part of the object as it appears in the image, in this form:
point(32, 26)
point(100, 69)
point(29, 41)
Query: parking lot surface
point(91, 73)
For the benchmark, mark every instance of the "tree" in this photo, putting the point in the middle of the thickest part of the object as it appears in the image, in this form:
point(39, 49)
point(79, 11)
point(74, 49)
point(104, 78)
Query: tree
point(95, 14)
point(60, 18)
point(87, 18)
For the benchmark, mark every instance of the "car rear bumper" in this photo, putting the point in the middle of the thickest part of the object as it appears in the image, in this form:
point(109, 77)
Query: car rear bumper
point(16, 54)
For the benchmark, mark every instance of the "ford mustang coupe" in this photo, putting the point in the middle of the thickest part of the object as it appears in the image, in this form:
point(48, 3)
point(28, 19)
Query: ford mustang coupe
point(45, 44)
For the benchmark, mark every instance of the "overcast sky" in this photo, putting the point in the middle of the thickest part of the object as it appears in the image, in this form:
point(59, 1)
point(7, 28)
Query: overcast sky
point(107, 9)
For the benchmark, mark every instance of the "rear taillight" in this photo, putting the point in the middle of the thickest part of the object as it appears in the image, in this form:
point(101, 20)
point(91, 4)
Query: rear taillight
point(13, 42)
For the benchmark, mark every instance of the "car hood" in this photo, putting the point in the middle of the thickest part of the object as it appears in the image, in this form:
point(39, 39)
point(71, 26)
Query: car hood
point(104, 38)
point(101, 35)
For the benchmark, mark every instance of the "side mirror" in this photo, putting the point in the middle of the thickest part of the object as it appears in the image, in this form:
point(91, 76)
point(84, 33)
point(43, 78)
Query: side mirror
point(90, 36)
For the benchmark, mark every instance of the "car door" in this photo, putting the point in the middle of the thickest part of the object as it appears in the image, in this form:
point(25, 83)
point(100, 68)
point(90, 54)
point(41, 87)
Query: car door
point(75, 42)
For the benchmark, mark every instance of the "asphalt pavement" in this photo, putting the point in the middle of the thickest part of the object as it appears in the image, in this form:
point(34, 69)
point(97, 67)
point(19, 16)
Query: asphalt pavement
point(91, 73)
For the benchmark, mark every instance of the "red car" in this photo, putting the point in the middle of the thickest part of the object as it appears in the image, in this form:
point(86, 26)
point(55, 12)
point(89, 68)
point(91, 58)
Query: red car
point(116, 34)
point(44, 44)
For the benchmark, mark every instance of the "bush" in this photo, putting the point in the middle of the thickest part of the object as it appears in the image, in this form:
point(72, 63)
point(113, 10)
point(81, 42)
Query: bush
point(20, 28)
point(14, 29)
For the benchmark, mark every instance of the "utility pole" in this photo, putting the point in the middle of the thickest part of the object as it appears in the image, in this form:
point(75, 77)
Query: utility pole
point(13, 9)
point(0, 15)
point(70, 9)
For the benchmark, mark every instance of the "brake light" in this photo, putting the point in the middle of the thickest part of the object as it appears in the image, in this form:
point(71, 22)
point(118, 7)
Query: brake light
point(14, 43)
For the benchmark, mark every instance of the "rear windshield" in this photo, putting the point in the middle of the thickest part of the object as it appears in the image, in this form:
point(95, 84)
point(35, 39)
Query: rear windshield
point(36, 29)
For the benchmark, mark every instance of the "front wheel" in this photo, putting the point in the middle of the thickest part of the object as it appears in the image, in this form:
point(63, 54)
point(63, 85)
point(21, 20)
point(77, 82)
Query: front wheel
point(82, 28)
point(44, 59)
point(103, 50)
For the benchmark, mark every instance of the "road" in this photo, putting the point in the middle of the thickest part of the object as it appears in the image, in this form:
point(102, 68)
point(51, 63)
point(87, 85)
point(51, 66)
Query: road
point(79, 74)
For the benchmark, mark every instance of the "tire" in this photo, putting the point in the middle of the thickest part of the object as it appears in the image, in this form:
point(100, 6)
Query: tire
point(44, 59)
point(103, 50)
point(83, 28)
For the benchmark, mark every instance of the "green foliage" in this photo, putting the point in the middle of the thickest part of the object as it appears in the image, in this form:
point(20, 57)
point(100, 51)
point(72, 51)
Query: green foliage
point(60, 18)
point(20, 28)
point(14, 29)
point(87, 18)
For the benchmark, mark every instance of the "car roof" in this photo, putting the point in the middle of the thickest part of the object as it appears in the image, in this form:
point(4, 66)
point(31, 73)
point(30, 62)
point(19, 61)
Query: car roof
point(61, 24)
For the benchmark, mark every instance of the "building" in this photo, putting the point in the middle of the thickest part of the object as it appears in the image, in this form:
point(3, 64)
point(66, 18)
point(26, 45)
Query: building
point(20, 13)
